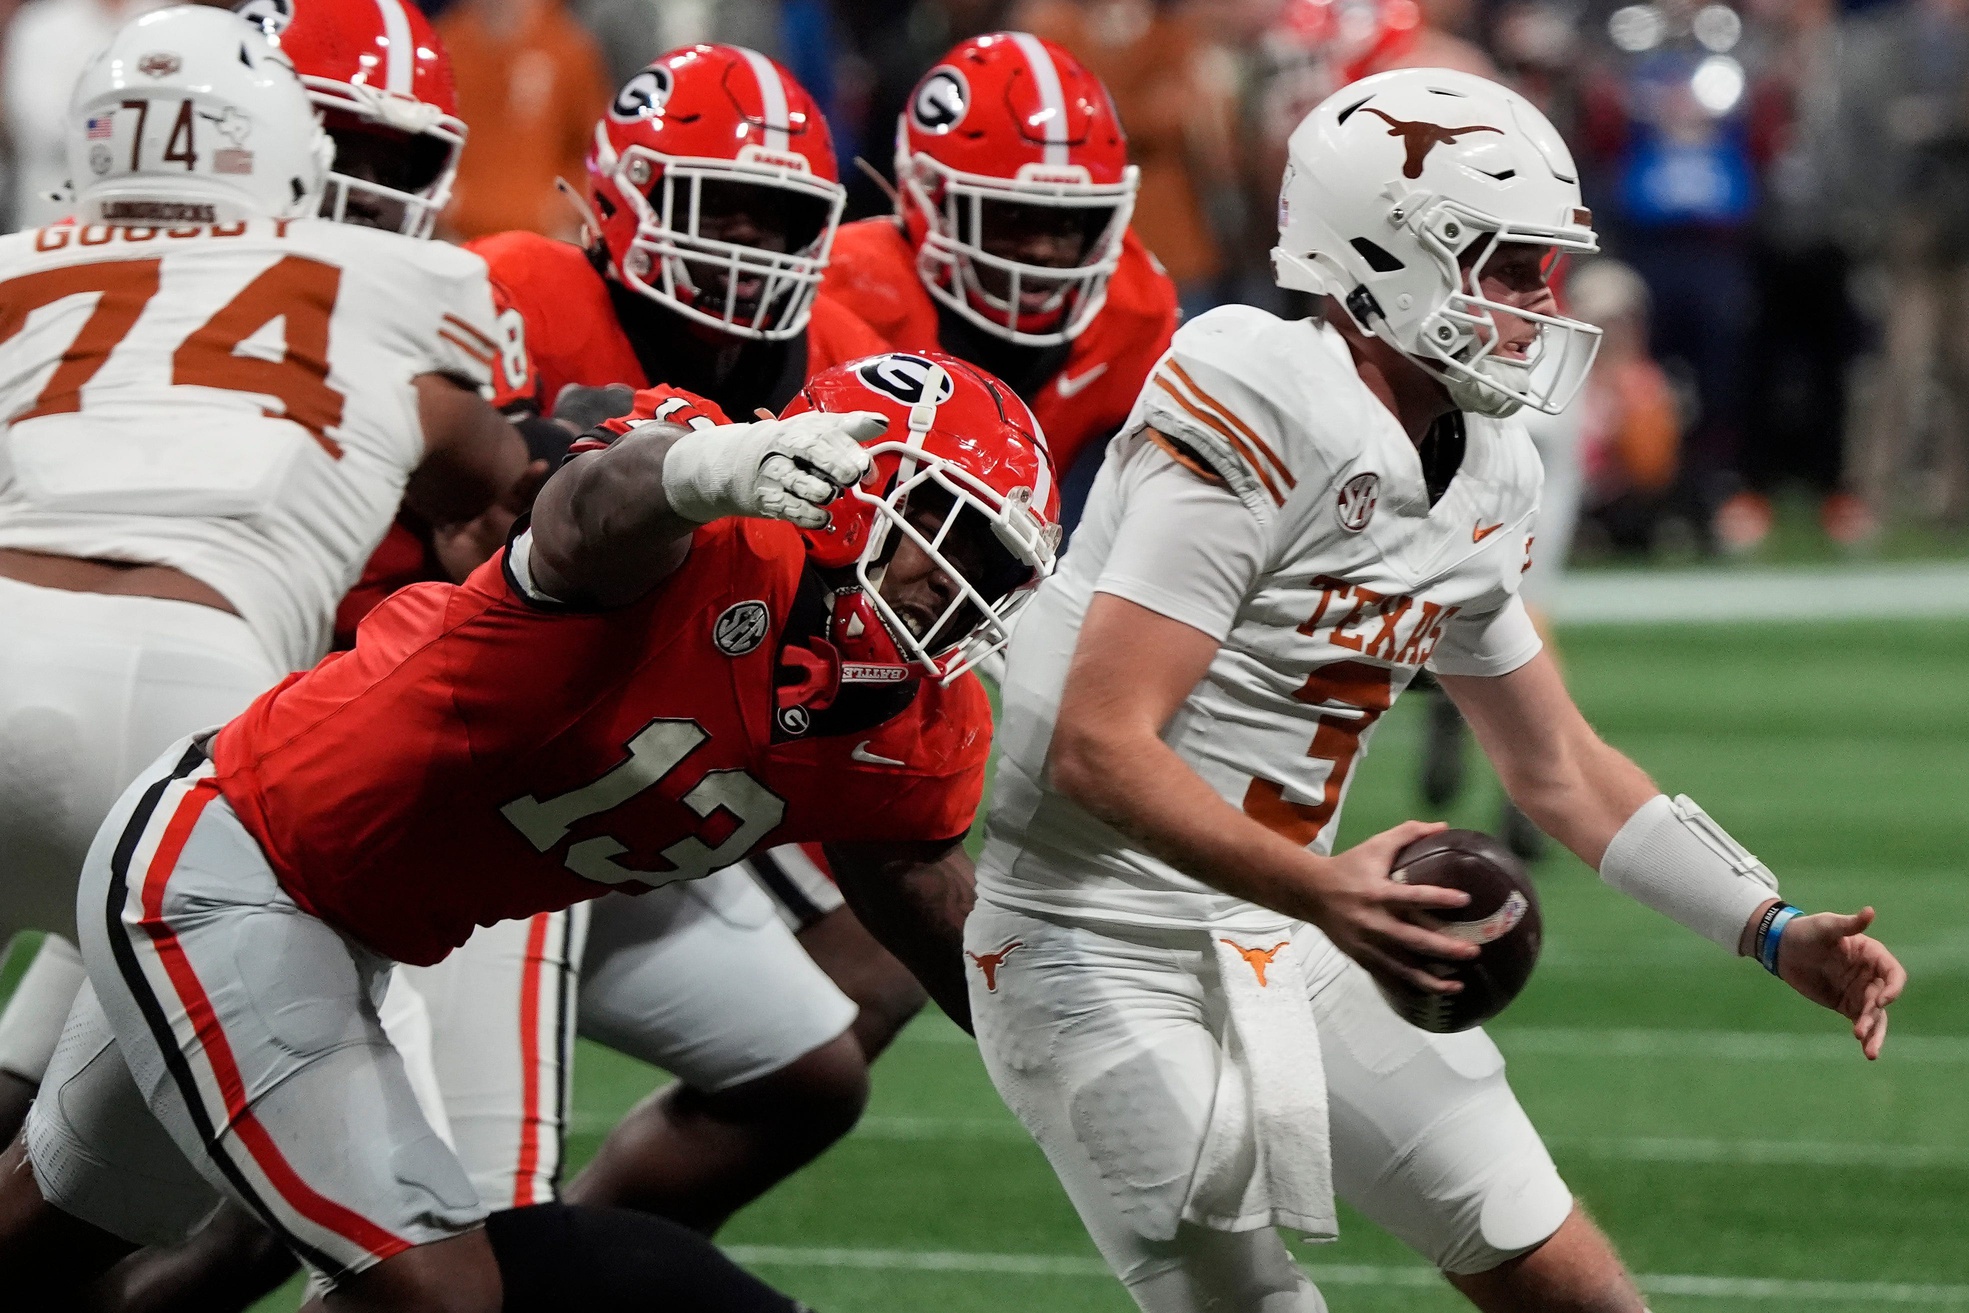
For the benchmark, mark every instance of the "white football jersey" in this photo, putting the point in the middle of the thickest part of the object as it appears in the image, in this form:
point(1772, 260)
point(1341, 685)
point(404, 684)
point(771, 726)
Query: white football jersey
point(234, 401)
point(1358, 584)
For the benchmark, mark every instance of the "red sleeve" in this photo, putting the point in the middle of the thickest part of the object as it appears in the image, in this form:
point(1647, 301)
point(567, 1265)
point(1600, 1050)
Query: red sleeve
point(660, 402)
point(874, 806)
point(943, 742)
point(836, 335)
point(404, 557)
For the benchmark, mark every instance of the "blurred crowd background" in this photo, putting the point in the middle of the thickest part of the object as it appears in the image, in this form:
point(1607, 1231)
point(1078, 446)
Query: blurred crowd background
point(1781, 186)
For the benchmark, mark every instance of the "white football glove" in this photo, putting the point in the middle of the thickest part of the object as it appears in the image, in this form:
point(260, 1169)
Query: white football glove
point(775, 469)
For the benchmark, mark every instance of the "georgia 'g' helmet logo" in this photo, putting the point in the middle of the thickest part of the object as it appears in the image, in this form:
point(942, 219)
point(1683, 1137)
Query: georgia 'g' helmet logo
point(940, 100)
point(270, 16)
point(902, 377)
point(642, 96)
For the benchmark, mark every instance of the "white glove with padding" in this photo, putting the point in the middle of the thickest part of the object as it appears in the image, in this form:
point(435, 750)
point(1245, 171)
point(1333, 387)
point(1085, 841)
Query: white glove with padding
point(774, 469)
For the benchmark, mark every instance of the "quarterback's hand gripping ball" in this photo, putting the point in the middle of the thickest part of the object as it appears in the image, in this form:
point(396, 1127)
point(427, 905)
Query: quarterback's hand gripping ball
point(776, 469)
point(1502, 919)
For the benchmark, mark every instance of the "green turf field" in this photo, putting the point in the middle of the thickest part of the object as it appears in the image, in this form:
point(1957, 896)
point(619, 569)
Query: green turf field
point(1728, 1135)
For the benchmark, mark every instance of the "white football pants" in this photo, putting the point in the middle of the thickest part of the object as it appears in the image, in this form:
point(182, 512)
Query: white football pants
point(1107, 1045)
point(92, 688)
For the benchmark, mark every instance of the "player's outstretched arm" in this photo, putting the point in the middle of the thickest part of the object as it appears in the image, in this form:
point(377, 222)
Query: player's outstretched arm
point(613, 523)
point(1132, 669)
point(1667, 853)
point(914, 897)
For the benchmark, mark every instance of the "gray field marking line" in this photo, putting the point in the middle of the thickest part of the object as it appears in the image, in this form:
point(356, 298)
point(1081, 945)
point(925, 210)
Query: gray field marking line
point(1638, 1149)
point(1347, 1274)
point(1934, 590)
point(1708, 1045)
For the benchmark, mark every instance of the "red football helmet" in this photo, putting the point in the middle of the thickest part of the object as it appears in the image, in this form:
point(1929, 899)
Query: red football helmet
point(1351, 38)
point(963, 474)
point(714, 184)
point(382, 80)
point(1006, 125)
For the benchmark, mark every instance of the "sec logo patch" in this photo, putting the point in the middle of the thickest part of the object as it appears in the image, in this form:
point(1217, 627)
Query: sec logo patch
point(741, 628)
point(1357, 498)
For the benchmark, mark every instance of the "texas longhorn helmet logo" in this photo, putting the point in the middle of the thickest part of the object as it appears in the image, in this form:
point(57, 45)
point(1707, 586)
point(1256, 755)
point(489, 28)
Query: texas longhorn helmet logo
point(1421, 138)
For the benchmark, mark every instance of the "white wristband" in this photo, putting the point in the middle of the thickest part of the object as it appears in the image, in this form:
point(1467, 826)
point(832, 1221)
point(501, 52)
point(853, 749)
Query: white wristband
point(781, 469)
point(1672, 857)
point(707, 473)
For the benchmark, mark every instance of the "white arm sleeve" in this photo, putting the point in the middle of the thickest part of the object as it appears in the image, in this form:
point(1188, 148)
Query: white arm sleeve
point(1672, 857)
point(1487, 642)
point(1185, 548)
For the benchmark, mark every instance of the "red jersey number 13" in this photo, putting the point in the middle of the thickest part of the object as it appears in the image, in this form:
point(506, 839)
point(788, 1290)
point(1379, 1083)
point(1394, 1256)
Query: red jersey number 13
point(659, 748)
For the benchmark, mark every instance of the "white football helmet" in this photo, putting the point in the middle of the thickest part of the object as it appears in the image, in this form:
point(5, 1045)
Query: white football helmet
point(1392, 179)
point(189, 116)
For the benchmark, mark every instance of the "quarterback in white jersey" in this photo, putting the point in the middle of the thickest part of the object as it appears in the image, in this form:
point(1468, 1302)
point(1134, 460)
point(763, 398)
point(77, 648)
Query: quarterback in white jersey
point(213, 404)
point(1173, 984)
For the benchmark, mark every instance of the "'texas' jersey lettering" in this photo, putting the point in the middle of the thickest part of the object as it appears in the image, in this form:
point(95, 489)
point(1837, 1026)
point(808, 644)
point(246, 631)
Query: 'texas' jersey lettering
point(1399, 629)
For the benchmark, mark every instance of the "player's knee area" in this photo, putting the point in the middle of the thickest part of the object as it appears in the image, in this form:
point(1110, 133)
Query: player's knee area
point(819, 1095)
point(554, 1257)
point(1429, 1140)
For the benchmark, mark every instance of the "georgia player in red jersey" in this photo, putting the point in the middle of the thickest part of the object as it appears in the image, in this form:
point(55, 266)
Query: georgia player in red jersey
point(1010, 245)
point(682, 659)
point(713, 199)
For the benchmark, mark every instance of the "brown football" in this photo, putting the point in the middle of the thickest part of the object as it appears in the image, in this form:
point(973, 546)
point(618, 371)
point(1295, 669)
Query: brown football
point(1502, 918)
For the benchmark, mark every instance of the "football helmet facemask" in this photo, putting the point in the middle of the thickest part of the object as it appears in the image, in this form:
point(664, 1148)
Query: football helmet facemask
point(962, 474)
point(382, 80)
point(1010, 143)
point(715, 188)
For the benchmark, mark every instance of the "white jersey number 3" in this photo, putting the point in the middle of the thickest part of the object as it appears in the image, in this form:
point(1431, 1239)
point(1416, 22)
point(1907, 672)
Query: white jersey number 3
point(659, 748)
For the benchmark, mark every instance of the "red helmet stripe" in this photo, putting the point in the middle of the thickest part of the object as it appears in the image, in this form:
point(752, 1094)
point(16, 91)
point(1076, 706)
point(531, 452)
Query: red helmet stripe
point(402, 62)
point(772, 98)
point(1046, 78)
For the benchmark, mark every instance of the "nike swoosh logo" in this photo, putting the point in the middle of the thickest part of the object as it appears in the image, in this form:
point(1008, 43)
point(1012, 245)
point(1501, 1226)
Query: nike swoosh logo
point(1483, 531)
point(1072, 384)
point(861, 753)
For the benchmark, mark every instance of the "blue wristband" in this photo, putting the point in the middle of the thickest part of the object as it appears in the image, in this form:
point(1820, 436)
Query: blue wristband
point(1767, 943)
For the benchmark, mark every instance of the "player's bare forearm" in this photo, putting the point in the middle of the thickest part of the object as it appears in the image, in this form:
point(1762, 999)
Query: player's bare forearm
point(603, 529)
point(1132, 669)
point(472, 454)
point(1574, 785)
point(914, 898)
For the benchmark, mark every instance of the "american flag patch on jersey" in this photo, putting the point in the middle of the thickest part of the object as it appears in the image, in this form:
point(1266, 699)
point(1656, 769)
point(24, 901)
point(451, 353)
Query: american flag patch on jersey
point(102, 127)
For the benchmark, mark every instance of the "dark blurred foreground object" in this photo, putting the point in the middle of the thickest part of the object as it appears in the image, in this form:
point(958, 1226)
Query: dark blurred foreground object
point(1502, 918)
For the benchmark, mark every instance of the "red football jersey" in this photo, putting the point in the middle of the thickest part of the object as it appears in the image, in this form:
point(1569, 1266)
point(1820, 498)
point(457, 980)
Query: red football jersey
point(558, 325)
point(478, 758)
point(873, 273)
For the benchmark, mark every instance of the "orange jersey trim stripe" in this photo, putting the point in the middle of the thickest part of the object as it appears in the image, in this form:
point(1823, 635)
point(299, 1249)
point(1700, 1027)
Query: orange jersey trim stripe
point(1183, 457)
point(485, 358)
point(488, 343)
point(1231, 415)
point(1225, 432)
